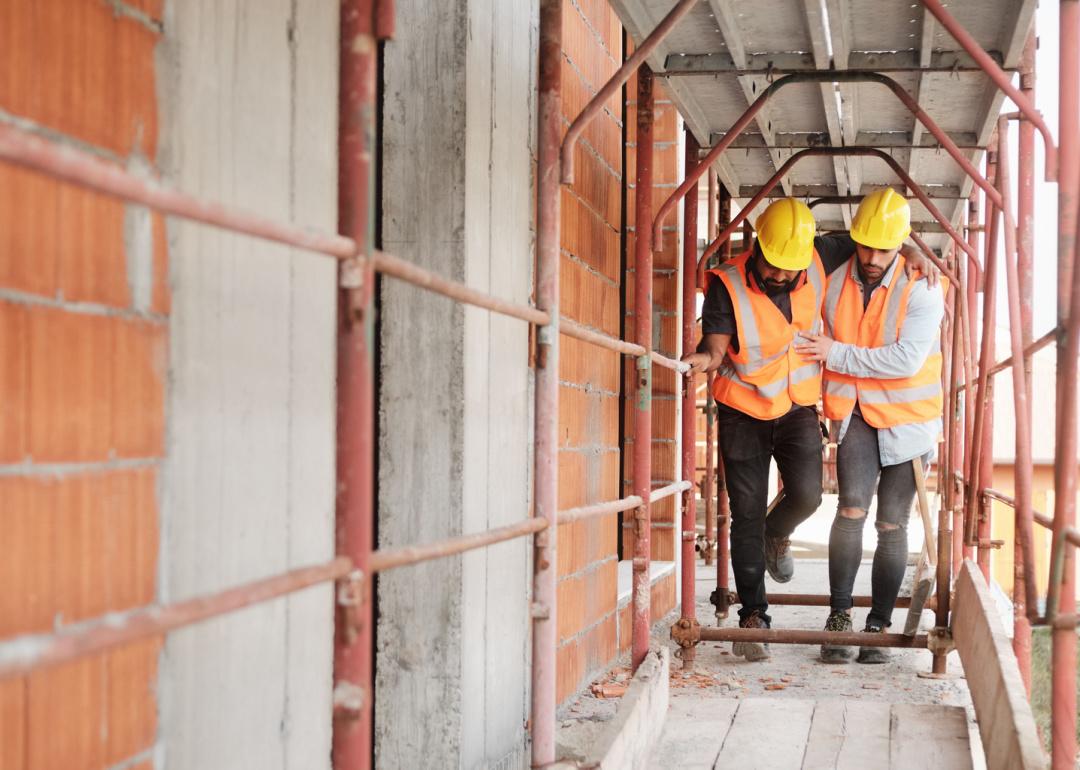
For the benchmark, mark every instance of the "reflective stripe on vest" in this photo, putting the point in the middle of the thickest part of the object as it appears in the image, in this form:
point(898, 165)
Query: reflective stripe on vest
point(765, 377)
point(884, 402)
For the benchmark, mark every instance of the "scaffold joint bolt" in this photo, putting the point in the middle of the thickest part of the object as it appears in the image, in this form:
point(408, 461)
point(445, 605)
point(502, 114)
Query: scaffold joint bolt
point(686, 632)
point(939, 640)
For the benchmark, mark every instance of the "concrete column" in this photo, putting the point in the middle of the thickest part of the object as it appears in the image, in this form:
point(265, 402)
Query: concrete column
point(455, 403)
point(248, 93)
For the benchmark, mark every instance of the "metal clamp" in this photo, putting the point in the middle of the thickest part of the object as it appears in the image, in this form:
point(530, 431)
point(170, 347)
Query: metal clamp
point(686, 632)
point(939, 640)
point(351, 273)
point(350, 595)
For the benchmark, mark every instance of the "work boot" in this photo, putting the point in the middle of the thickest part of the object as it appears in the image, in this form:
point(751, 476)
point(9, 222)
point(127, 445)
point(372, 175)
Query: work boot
point(752, 651)
point(778, 560)
point(838, 620)
point(874, 654)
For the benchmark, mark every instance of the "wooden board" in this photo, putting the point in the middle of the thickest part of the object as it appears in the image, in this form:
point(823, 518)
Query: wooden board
point(928, 736)
point(848, 735)
point(779, 732)
point(767, 734)
point(1006, 725)
point(698, 730)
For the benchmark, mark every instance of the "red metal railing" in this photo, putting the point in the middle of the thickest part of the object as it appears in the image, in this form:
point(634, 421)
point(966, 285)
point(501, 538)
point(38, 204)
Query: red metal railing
point(968, 442)
point(969, 398)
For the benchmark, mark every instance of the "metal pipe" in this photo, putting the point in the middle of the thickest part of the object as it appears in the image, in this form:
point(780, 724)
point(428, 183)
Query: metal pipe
point(831, 76)
point(20, 148)
point(80, 168)
point(956, 433)
point(976, 529)
point(598, 509)
point(1022, 470)
point(792, 636)
point(22, 655)
point(415, 554)
point(388, 264)
point(668, 363)
point(1001, 79)
point(1039, 518)
point(643, 287)
point(1029, 349)
point(546, 417)
point(661, 493)
point(709, 487)
point(973, 238)
point(689, 408)
point(572, 328)
point(616, 81)
point(1062, 590)
point(354, 642)
point(838, 152)
point(955, 277)
point(824, 600)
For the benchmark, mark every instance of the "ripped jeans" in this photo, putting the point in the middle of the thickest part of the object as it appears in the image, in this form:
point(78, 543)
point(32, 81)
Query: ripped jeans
point(859, 473)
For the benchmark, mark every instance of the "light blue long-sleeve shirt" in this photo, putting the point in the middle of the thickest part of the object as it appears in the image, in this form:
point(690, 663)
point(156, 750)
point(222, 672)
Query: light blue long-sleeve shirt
point(903, 358)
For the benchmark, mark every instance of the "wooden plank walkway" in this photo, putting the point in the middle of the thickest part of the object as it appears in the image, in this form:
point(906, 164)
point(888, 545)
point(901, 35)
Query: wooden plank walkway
point(773, 733)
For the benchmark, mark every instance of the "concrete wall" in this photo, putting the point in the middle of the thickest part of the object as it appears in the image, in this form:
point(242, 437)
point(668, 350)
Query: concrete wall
point(248, 91)
point(455, 397)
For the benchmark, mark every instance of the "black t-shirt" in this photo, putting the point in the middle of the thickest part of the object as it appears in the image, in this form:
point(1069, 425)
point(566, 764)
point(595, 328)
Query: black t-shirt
point(718, 312)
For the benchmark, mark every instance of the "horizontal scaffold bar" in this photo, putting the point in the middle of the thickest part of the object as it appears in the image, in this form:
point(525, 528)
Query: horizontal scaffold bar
point(24, 654)
point(798, 636)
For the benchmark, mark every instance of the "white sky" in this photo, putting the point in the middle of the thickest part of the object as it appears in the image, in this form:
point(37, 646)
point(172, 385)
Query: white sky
point(1045, 257)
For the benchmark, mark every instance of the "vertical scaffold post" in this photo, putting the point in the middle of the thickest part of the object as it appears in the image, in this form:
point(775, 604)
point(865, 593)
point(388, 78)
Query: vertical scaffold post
point(545, 479)
point(1062, 590)
point(1025, 221)
point(355, 527)
point(687, 634)
point(642, 456)
point(970, 395)
point(981, 469)
point(710, 426)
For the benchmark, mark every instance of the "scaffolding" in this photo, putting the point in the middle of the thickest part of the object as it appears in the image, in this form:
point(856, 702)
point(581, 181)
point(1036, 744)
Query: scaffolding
point(963, 529)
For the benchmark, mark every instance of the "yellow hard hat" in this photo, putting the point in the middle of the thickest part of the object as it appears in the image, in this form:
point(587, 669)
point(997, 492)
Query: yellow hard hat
point(883, 220)
point(785, 233)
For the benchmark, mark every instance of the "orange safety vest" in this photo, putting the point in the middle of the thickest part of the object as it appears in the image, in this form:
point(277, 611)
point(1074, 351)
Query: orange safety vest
point(884, 403)
point(767, 376)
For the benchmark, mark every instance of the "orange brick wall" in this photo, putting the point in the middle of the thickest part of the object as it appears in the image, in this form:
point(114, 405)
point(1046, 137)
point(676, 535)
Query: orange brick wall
point(665, 390)
point(82, 372)
point(591, 286)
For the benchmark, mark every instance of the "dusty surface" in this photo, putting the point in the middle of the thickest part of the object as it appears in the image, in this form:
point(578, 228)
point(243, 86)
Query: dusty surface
point(793, 671)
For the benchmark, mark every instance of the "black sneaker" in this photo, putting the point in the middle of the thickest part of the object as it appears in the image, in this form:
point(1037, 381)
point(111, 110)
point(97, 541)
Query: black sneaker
point(874, 654)
point(778, 560)
point(837, 653)
point(752, 651)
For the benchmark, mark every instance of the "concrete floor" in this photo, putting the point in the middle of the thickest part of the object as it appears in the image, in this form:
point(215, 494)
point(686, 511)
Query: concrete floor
point(707, 692)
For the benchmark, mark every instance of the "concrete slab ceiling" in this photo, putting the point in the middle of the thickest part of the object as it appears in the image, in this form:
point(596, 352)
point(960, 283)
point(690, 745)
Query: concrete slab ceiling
point(724, 53)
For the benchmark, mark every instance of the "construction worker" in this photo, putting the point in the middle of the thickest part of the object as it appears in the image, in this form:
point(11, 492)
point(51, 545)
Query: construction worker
point(766, 394)
point(882, 357)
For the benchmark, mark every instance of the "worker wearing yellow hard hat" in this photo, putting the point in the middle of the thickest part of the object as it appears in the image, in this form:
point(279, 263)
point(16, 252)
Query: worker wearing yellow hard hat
point(766, 392)
point(882, 382)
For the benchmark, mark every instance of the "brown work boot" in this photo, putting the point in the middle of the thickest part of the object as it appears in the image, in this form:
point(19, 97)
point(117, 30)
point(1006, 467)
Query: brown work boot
point(778, 559)
point(752, 651)
point(873, 654)
point(837, 653)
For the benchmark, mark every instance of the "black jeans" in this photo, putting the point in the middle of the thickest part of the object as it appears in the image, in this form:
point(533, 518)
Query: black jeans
point(859, 472)
point(746, 445)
